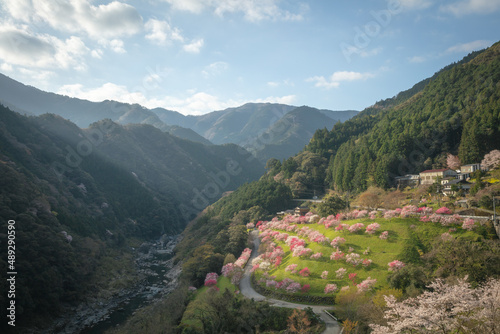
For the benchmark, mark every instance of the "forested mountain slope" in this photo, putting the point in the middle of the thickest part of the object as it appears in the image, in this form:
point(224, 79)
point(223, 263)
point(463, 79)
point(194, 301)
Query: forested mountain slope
point(102, 186)
point(455, 111)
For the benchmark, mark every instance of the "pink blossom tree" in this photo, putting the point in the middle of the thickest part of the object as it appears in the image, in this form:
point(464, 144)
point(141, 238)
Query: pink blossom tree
point(293, 287)
point(292, 268)
point(305, 272)
point(366, 263)
point(443, 211)
point(316, 256)
point(372, 228)
point(337, 255)
point(395, 265)
point(324, 274)
point(330, 288)
point(337, 241)
point(340, 273)
point(366, 285)
point(468, 224)
point(211, 279)
point(353, 258)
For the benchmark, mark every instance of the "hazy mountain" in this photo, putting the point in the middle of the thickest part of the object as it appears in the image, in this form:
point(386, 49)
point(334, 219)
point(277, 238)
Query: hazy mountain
point(30, 100)
point(291, 133)
point(239, 125)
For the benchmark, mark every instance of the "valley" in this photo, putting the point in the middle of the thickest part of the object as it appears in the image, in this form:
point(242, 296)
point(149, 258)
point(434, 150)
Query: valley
point(142, 220)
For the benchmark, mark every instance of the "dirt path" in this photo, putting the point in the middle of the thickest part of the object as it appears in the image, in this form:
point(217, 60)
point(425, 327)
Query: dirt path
point(332, 326)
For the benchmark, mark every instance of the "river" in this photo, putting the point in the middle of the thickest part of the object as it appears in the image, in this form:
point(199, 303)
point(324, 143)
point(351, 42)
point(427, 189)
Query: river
point(158, 278)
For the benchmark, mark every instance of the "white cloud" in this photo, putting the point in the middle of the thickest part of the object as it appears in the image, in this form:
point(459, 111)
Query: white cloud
point(193, 103)
point(287, 99)
point(417, 59)
point(274, 84)
point(6, 67)
point(108, 91)
point(195, 46)
point(39, 76)
point(215, 69)
point(469, 47)
point(253, 10)
point(116, 45)
point(337, 77)
point(160, 32)
point(97, 53)
point(21, 47)
point(465, 7)
point(103, 21)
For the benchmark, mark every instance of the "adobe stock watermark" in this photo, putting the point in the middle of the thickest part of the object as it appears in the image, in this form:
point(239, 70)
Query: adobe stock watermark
point(94, 136)
point(372, 29)
point(213, 189)
point(75, 155)
point(425, 148)
point(267, 137)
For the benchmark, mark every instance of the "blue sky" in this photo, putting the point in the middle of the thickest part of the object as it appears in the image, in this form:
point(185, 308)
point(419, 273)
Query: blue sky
point(196, 56)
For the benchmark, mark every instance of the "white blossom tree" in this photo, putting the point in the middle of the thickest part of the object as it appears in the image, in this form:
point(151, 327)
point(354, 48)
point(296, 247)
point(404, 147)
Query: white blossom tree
point(453, 161)
point(445, 309)
point(491, 160)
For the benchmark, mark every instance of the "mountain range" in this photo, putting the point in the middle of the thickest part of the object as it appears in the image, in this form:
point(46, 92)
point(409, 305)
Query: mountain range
point(78, 194)
point(241, 125)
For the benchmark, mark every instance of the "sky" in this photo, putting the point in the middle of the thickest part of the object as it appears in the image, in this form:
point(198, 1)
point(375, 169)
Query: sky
point(197, 56)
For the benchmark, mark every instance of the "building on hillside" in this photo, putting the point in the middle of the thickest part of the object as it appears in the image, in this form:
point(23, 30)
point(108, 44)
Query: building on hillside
point(301, 211)
point(281, 214)
point(467, 170)
point(452, 187)
point(430, 176)
point(409, 180)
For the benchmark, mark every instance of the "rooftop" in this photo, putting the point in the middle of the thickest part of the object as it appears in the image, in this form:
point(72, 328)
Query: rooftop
point(434, 170)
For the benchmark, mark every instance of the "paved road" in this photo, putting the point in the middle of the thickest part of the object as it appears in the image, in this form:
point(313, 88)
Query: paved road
point(332, 326)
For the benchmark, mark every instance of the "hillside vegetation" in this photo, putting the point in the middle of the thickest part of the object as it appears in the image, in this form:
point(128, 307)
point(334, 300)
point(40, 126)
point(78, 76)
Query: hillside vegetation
point(456, 111)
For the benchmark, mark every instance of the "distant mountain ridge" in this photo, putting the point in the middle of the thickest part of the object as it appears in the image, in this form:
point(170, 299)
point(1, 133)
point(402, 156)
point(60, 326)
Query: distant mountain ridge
point(239, 125)
point(294, 129)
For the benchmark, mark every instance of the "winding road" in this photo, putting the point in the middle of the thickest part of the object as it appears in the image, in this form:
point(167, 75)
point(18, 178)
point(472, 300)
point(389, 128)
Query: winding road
point(246, 289)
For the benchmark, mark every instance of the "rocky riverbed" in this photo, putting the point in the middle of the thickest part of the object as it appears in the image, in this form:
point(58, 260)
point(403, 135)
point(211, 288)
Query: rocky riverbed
point(158, 276)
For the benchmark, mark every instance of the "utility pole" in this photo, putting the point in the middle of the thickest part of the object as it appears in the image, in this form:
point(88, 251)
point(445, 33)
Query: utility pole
point(494, 211)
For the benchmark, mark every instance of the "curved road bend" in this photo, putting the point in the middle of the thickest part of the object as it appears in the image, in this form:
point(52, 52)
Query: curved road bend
point(332, 326)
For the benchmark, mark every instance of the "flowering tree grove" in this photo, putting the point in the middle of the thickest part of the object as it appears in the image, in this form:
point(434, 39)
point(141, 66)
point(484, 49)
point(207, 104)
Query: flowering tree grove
point(445, 309)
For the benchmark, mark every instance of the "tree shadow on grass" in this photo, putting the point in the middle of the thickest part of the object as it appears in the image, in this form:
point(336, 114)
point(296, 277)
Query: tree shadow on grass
point(393, 236)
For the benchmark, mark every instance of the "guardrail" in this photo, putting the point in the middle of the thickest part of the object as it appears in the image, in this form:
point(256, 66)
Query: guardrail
point(331, 315)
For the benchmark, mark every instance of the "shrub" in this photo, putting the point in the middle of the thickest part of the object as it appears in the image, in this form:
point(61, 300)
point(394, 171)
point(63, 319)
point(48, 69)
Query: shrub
point(443, 211)
point(305, 272)
point(395, 265)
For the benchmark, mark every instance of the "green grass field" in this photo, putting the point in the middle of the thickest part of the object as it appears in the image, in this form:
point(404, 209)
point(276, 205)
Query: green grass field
point(381, 252)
